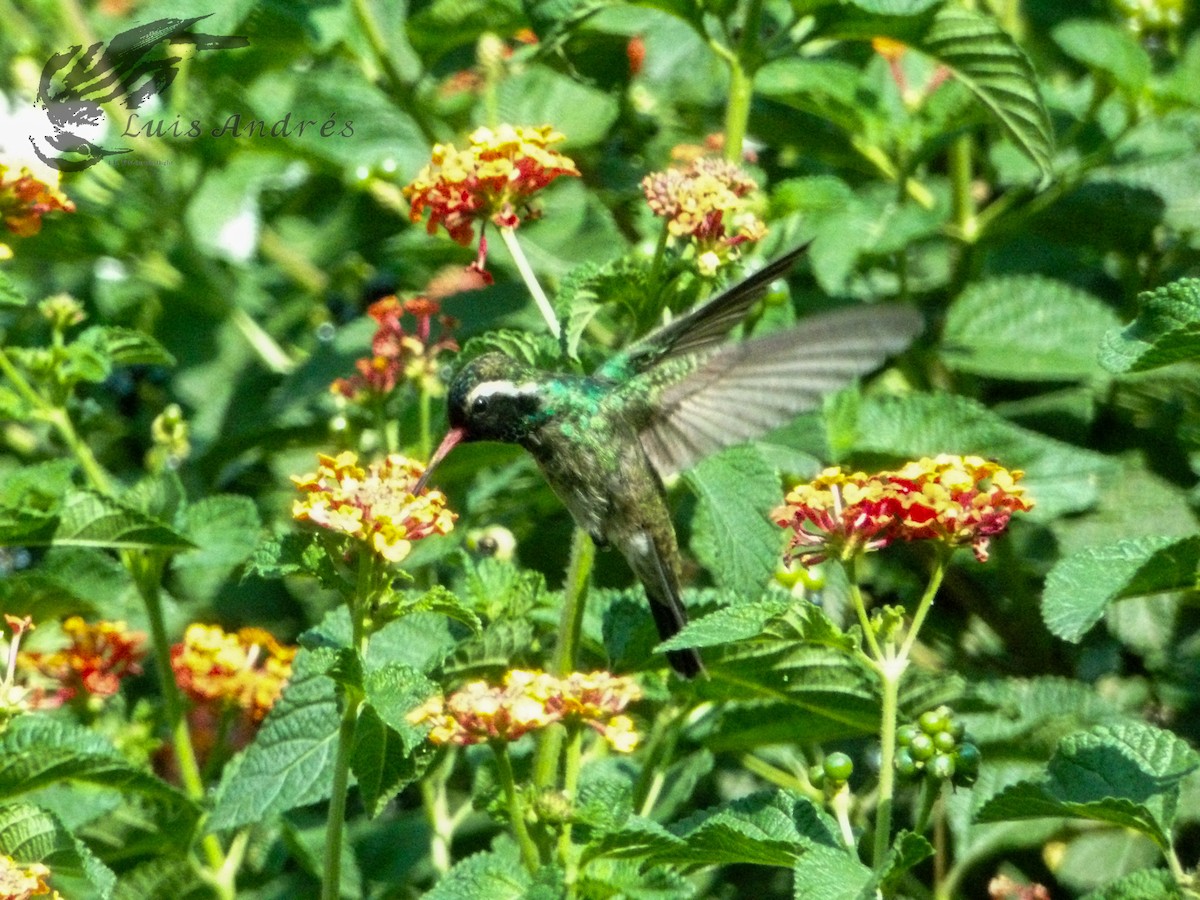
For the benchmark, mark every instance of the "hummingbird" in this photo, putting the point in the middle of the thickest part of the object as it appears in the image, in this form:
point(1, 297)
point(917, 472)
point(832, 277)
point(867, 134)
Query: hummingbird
point(606, 441)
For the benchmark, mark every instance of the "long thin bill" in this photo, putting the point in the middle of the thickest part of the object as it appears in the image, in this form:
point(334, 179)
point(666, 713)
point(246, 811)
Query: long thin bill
point(453, 437)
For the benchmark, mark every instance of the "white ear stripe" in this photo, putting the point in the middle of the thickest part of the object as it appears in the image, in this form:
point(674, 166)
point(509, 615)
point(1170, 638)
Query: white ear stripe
point(503, 387)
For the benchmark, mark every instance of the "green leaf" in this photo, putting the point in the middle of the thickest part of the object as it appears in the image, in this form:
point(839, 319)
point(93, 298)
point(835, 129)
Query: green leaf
point(539, 95)
point(37, 751)
point(30, 502)
point(1026, 328)
point(89, 519)
point(1080, 588)
point(125, 346)
point(162, 879)
point(1106, 47)
point(298, 554)
point(1059, 477)
point(733, 623)
point(1166, 331)
point(394, 690)
point(10, 294)
point(731, 534)
point(225, 530)
point(290, 762)
point(831, 874)
point(379, 761)
point(1146, 884)
point(29, 834)
point(907, 850)
point(894, 7)
point(496, 874)
point(986, 59)
point(1126, 773)
point(437, 599)
point(769, 828)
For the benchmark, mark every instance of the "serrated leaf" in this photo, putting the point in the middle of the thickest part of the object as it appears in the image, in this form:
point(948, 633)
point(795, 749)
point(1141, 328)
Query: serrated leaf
point(297, 554)
point(540, 94)
point(770, 828)
point(733, 623)
point(88, 519)
point(986, 59)
point(162, 879)
point(36, 751)
point(393, 691)
point(1106, 47)
point(1166, 331)
point(496, 874)
point(1059, 477)
point(440, 600)
point(831, 874)
point(907, 850)
point(10, 295)
point(125, 346)
point(1025, 328)
point(290, 762)
point(1080, 588)
point(1126, 773)
point(1145, 884)
point(535, 349)
point(29, 834)
point(731, 534)
point(225, 530)
point(380, 761)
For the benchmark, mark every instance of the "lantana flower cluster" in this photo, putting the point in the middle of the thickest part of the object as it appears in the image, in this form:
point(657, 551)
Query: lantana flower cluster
point(26, 196)
point(246, 669)
point(399, 355)
point(375, 505)
point(24, 882)
point(705, 203)
point(961, 500)
point(98, 656)
point(491, 179)
point(528, 700)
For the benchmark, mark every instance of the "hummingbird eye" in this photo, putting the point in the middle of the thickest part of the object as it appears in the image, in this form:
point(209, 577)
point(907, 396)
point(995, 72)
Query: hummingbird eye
point(479, 405)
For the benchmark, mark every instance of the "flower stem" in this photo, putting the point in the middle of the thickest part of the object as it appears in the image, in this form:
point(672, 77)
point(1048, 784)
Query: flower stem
point(437, 813)
point(570, 627)
point(890, 674)
point(566, 853)
point(516, 809)
point(509, 235)
point(359, 606)
point(271, 354)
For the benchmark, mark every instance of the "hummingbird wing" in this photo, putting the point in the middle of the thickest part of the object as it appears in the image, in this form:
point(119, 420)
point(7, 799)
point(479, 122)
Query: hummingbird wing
point(701, 328)
point(743, 390)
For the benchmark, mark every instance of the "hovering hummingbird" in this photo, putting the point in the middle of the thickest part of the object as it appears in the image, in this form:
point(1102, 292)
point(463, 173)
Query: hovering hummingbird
point(606, 441)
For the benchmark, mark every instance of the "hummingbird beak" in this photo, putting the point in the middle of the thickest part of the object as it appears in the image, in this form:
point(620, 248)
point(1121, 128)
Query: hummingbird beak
point(449, 442)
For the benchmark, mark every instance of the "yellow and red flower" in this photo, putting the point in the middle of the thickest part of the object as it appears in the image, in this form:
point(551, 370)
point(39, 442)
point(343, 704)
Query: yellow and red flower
point(492, 179)
point(706, 203)
point(98, 656)
point(960, 500)
point(396, 354)
point(24, 882)
point(375, 505)
point(26, 196)
point(529, 700)
point(246, 669)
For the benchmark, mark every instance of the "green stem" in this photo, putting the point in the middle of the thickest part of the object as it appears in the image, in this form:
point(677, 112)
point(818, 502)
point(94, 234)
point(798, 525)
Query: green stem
point(566, 853)
point(737, 109)
point(890, 673)
point(930, 790)
point(860, 609)
point(779, 777)
point(516, 809)
point(437, 812)
point(840, 804)
point(401, 87)
point(963, 204)
point(271, 354)
point(509, 236)
point(359, 607)
point(570, 627)
point(926, 603)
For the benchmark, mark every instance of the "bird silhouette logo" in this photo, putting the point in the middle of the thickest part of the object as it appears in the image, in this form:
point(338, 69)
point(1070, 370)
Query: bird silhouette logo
point(133, 67)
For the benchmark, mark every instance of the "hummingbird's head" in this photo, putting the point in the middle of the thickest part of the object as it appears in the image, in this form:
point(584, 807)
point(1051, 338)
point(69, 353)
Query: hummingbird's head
point(493, 398)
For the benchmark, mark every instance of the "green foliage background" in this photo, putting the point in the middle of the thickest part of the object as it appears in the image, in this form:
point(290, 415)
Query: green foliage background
point(1040, 207)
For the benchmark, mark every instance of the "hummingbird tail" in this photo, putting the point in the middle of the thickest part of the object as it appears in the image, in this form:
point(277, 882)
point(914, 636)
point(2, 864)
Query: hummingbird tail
point(670, 619)
point(651, 563)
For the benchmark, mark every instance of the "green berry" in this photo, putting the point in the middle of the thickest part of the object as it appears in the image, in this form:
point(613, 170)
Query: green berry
point(905, 734)
point(966, 759)
point(934, 720)
point(944, 742)
point(838, 767)
point(921, 747)
point(958, 728)
point(816, 775)
point(906, 766)
point(941, 767)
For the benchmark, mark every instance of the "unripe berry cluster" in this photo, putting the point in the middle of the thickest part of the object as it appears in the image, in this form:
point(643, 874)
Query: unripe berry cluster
point(935, 747)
